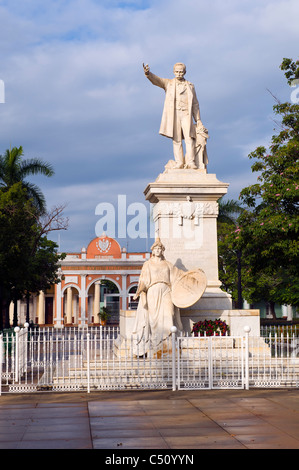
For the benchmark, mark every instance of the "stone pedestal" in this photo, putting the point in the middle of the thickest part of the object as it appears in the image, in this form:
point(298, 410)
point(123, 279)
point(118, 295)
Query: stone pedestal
point(126, 322)
point(235, 319)
point(185, 211)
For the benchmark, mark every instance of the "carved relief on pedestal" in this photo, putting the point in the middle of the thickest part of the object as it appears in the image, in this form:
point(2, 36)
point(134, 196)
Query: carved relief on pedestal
point(187, 210)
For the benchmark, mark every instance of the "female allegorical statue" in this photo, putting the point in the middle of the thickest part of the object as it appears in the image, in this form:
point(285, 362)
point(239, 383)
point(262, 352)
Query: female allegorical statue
point(156, 313)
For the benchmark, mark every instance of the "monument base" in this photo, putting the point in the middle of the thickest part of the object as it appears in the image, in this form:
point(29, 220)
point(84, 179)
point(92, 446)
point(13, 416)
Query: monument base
point(235, 319)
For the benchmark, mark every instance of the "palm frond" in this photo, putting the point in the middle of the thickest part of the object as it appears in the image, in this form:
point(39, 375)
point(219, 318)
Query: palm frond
point(13, 156)
point(36, 195)
point(229, 211)
point(13, 170)
point(10, 173)
point(35, 166)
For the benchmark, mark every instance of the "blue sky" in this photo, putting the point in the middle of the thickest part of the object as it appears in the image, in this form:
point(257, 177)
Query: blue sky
point(76, 95)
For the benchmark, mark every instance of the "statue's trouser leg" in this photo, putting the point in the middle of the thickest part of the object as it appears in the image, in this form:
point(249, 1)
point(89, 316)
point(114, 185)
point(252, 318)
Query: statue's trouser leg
point(190, 152)
point(178, 153)
point(189, 141)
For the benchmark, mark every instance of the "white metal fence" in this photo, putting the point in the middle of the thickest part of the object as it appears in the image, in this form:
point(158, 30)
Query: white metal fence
point(273, 361)
point(99, 359)
point(211, 362)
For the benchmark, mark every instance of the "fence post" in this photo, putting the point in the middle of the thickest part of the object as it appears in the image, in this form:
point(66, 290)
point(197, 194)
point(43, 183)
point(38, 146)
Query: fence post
point(210, 360)
point(26, 339)
point(17, 353)
point(247, 330)
point(173, 330)
point(88, 363)
point(1, 360)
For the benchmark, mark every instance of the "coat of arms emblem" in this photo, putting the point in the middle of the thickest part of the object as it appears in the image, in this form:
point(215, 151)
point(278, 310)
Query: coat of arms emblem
point(103, 245)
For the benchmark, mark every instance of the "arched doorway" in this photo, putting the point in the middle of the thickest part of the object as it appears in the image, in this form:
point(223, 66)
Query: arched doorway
point(49, 306)
point(49, 302)
point(110, 293)
point(71, 305)
point(103, 293)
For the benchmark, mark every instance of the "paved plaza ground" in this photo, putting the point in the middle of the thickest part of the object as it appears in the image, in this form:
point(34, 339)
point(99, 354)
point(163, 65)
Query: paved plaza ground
point(194, 419)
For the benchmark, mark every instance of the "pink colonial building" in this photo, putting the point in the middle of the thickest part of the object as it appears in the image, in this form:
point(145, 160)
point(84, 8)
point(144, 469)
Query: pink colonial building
point(104, 274)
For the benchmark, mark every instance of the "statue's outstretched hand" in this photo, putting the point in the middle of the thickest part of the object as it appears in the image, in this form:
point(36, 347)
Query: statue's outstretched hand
point(146, 69)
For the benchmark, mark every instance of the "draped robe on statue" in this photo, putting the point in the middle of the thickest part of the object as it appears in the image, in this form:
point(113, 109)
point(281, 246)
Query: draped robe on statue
point(156, 313)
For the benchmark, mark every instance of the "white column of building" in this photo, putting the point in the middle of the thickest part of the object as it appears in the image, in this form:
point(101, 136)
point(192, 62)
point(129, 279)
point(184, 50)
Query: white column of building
point(11, 309)
point(287, 311)
point(123, 305)
point(35, 300)
point(58, 323)
point(69, 302)
point(41, 308)
point(96, 302)
point(83, 300)
point(290, 312)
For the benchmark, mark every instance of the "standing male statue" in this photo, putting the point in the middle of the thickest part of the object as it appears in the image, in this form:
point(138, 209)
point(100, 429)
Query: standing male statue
point(181, 109)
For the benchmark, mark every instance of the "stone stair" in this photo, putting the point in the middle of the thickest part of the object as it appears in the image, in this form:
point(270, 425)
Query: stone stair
point(117, 373)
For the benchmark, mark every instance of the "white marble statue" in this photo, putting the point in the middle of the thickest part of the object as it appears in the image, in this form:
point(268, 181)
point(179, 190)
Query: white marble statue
point(181, 119)
point(156, 313)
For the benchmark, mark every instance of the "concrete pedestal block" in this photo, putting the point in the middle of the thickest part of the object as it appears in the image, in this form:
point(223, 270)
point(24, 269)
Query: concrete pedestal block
point(235, 319)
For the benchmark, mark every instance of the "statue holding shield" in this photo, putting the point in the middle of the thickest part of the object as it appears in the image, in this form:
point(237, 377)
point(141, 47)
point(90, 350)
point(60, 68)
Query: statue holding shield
point(162, 290)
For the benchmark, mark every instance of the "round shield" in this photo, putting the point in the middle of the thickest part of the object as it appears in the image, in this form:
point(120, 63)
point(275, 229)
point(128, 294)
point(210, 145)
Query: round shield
point(188, 289)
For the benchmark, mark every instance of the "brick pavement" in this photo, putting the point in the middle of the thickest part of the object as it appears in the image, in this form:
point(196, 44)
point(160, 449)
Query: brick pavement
point(166, 420)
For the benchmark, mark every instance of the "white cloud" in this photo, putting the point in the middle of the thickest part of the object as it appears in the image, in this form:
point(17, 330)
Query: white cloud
point(81, 201)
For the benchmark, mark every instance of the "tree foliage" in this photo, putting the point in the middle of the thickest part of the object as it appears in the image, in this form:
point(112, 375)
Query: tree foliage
point(13, 169)
point(29, 261)
point(229, 255)
point(267, 233)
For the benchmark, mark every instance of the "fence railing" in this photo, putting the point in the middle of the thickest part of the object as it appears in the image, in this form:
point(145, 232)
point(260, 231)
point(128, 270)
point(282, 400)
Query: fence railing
point(98, 358)
point(208, 362)
point(291, 330)
point(274, 361)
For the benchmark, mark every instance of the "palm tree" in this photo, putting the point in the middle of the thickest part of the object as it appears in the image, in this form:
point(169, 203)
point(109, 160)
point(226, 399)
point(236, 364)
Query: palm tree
point(13, 170)
point(229, 211)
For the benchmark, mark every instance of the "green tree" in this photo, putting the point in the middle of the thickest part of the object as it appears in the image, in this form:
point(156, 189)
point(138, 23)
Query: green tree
point(16, 222)
point(29, 261)
point(268, 231)
point(229, 256)
point(13, 169)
